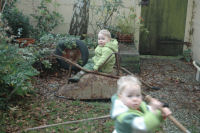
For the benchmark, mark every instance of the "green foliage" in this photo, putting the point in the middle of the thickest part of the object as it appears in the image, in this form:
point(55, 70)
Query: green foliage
point(47, 40)
point(69, 41)
point(101, 15)
point(17, 20)
point(46, 20)
point(90, 41)
point(47, 44)
point(126, 23)
point(51, 40)
point(16, 70)
point(129, 23)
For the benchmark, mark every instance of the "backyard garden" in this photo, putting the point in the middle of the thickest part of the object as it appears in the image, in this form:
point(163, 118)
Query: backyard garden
point(32, 70)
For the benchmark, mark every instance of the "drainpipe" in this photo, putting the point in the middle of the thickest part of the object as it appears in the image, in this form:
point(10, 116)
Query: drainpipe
point(198, 71)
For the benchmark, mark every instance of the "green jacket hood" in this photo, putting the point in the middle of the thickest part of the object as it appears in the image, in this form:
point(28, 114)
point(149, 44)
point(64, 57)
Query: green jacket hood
point(113, 44)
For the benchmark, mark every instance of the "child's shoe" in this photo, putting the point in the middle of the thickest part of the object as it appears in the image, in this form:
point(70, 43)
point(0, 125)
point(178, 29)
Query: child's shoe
point(76, 77)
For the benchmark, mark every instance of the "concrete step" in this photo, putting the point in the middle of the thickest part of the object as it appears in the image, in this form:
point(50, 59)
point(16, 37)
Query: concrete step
point(129, 57)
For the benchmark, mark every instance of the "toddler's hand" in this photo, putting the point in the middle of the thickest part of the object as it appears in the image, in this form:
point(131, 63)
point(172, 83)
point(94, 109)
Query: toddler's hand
point(155, 104)
point(166, 112)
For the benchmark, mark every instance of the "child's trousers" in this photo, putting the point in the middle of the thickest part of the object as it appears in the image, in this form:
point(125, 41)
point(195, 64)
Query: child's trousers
point(88, 66)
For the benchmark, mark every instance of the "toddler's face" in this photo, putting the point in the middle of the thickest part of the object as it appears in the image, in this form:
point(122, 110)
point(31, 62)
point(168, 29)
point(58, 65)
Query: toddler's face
point(131, 96)
point(102, 39)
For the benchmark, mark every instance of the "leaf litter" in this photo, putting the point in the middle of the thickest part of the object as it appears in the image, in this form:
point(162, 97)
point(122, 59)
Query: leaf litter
point(176, 79)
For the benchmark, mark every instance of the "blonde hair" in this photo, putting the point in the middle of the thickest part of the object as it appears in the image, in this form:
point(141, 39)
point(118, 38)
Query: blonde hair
point(125, 81)
point(105, 33)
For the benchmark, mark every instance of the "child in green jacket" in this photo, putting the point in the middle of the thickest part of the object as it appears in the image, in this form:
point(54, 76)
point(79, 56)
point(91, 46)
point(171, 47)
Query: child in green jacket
point(106, 46)
point(130, 113)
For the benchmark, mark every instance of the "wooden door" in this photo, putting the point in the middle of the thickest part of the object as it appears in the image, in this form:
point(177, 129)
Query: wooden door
point(165, 20)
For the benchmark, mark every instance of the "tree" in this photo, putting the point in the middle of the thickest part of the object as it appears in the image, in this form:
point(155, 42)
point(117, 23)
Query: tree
point(4, 3)
point(80, 18)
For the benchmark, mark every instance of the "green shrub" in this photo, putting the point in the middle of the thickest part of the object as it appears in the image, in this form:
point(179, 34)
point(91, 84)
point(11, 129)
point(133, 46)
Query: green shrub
point(90, 42)
point(16, 71)
point(17, 21)
point(46, 20)
point(51, 40)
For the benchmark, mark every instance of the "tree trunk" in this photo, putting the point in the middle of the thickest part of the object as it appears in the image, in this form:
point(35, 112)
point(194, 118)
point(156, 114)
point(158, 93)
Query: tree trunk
point(80, 18)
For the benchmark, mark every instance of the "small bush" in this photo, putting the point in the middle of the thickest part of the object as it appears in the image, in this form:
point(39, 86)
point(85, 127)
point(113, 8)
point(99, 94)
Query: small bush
point(46, 20)
point(16, 71)
point(17, 20)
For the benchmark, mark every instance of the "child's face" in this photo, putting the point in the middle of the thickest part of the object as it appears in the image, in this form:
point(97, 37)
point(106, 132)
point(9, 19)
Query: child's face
point(131, 96)
point(102, 39)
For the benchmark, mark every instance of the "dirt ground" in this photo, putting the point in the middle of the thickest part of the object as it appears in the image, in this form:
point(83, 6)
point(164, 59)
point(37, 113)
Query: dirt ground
point(178, 88)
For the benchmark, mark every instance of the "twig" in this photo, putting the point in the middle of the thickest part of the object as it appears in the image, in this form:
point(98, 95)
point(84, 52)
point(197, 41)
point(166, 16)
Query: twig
point(68, 122)
point(88, 71)
point(4, 6)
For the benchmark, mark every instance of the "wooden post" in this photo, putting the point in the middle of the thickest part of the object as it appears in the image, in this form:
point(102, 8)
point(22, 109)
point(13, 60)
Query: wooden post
point(117, 62)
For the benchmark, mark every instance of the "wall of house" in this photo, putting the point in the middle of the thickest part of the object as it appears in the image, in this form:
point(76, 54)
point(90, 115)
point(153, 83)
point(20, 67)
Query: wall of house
point(65, 9)
point(196, 31)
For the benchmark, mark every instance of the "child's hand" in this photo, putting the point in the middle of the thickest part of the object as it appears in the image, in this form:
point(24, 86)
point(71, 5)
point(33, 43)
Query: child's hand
point(155, 104)
point(166, 112)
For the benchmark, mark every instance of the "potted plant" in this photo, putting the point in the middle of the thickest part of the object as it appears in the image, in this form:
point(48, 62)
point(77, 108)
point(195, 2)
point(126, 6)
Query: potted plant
point(72, 48)
point(126, 27)
point(70, 51)
point(24, 42)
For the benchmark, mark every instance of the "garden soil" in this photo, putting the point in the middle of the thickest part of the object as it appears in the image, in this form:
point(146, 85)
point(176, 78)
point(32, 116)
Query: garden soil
point(174, 77)
point(179, 90)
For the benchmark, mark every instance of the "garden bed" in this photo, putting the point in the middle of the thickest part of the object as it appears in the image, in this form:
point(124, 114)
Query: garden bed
point(176, 79)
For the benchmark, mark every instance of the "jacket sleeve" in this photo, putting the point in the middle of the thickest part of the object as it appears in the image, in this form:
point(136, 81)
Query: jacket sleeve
point(106, 53)
point(146, 123)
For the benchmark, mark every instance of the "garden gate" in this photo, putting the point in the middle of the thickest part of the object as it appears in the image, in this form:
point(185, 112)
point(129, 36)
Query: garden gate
point(165, 20)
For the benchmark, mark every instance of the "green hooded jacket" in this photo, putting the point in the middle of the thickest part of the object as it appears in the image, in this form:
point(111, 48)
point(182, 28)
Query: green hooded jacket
point(102, 53)
point(134, 121)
